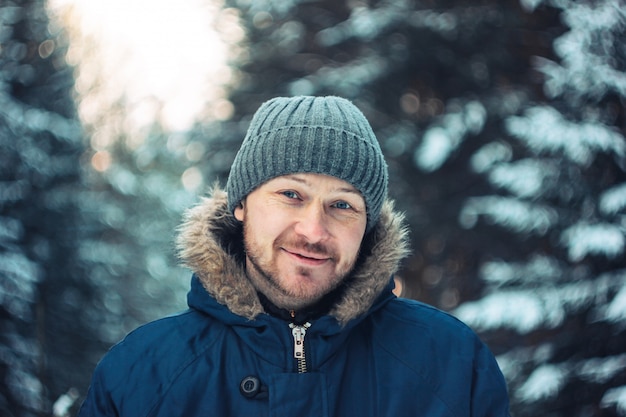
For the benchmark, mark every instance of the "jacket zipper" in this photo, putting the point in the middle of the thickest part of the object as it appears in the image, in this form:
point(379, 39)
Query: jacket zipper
point(298, 333)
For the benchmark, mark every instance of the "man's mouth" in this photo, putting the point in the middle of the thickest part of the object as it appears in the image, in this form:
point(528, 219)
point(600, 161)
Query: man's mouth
point(307, 257)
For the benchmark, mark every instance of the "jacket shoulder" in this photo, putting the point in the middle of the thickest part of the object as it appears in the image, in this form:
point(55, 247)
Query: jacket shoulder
point(424, 317)
point(173, 343)
point(162, 336)
point(442, 352)
point(426, 330)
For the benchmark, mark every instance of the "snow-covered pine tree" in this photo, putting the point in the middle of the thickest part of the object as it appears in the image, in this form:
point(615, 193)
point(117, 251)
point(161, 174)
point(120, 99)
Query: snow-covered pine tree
point(46, 336)
point(559, 178)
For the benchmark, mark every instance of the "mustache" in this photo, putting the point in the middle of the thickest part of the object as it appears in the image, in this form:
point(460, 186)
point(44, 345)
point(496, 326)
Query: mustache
point(319, 249)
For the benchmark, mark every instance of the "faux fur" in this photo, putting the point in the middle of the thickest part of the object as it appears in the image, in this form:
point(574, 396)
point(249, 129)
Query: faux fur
point(209, 243)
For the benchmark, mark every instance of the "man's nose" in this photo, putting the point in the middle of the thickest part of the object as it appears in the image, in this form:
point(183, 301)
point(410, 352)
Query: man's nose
point(313, 223)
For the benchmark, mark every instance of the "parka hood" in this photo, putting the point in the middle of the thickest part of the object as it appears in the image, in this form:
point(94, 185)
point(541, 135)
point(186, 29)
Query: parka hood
point(210, 244)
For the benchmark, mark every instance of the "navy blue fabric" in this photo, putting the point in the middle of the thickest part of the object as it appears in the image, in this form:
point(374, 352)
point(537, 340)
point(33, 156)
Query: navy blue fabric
point(403, 358)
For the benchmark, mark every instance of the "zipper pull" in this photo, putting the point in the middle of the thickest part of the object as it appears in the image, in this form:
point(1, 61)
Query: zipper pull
point(298, 333)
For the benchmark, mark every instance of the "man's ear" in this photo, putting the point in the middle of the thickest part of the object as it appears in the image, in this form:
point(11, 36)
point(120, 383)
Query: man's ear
point(239, 212)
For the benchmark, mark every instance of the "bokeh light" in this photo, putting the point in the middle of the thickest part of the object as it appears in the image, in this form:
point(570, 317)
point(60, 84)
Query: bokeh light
point(147, 62)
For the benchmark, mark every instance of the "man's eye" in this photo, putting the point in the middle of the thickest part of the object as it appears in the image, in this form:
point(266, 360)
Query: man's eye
point(290, 194)
point(342, 205)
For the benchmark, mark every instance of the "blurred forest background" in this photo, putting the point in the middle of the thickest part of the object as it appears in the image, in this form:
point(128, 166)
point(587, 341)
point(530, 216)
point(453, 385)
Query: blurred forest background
point(503, 123)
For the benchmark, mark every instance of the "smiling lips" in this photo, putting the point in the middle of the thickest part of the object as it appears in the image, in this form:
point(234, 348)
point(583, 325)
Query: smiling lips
point(308, 258)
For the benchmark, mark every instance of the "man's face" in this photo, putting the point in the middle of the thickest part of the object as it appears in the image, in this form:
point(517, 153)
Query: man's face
point(302, 234)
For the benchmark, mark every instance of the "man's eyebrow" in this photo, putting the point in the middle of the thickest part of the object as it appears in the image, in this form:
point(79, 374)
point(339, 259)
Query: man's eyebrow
point(304, 181)
point(296, 179)
point(349, 190)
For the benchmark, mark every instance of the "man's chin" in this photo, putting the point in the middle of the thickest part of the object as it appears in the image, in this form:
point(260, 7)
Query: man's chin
point(300, 299)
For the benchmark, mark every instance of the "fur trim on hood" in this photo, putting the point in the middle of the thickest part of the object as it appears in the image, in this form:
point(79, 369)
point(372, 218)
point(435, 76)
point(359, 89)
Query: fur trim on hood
point(210, 244)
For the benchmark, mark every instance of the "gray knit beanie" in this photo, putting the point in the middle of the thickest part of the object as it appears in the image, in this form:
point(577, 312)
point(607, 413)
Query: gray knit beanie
point(322, 135)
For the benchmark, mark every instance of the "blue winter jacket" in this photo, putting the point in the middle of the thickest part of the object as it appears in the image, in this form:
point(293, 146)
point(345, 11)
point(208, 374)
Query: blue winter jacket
point(373, 355)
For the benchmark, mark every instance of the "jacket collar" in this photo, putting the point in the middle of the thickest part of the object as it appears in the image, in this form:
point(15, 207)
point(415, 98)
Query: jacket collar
point(210, 244)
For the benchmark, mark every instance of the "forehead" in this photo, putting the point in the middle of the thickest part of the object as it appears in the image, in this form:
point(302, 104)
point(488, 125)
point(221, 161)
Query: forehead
point(312, 180)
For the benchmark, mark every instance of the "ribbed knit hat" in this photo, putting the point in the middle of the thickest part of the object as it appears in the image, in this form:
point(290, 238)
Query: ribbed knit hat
point(322, 135)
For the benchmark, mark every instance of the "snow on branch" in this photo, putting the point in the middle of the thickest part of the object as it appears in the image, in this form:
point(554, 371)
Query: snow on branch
point(601, 370)
point(545, 131)
point(539, 269)
point(615, 397)
point(613, 200)
point(587, 52)
point(545, 381)
point(19, 115)
point(544, 306)
point(348, 80)
point(489, 155)
point(510, 213)
point(525, 178)
point(520, 310)
point(584, 239)
point(615, 311)
point(548, 379)
point(441, 140)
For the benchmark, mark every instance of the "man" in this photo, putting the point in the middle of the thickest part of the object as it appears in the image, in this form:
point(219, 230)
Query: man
point(291, 310)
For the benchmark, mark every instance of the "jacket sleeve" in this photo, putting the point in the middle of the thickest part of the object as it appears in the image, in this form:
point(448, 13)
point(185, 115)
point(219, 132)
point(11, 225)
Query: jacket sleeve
point(489, 392)
point(98, 402)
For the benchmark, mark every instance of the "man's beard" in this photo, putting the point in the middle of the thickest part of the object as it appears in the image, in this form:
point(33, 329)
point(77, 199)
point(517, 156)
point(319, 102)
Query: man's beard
point(264, 274)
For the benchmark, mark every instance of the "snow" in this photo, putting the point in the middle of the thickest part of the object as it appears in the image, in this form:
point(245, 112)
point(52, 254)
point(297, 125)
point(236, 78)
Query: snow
point(522, 311)
point(613, 200)
point(602, 370)
point(441, 140)
point(524, 178)
point(615, 397)
point(584, 239)
point(490, 154)
point(530, 5)
point(19, 285)
point(123, 180)
point(444, 23)
point(544, 382)
point(510, 213)
point(10, 229)
point(25, 387)
point(62, 406)
point(543, 305)
point(539, 268)
point(545, 131)
point(616, 310)
point(434, 149)
point(347, 80)
point(280, 8)
point(587, 52)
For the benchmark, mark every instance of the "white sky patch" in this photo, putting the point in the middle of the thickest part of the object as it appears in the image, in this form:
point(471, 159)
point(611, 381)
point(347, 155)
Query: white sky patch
point(165, 60)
